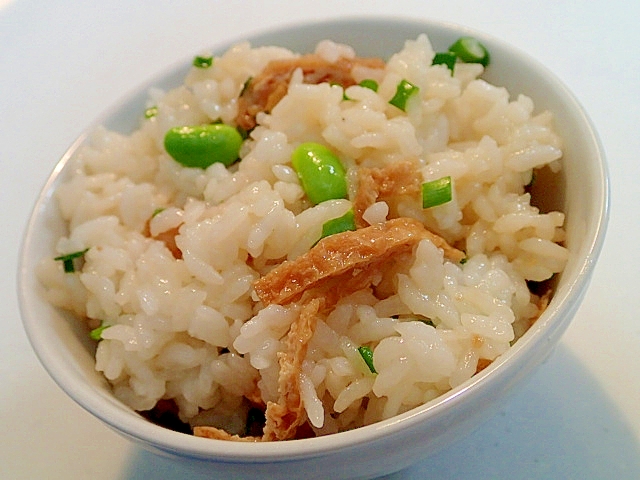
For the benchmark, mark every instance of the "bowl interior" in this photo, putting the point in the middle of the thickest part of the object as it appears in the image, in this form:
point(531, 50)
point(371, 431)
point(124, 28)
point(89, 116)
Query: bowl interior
point(65, 351)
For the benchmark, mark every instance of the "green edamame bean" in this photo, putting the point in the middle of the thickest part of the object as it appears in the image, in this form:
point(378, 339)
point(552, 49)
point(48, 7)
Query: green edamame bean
point(202, 145)
point(320, 172)
point(341, 224)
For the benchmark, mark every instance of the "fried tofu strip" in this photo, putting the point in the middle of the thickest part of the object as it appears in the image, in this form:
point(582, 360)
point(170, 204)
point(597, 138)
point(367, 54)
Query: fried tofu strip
point(541, 302)
point(168, 238)
point(264, 91)
point(482, 364)
point(284, 417)
point(337, 266)
point(398, 178)
point(219, 434)
point(330, 277)
point(350, 251)
point(287, 414)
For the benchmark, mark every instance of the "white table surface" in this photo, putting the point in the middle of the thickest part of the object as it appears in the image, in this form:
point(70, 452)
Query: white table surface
point(64, 62)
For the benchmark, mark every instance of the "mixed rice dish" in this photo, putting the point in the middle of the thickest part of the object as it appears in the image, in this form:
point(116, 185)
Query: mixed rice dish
point(294, 245)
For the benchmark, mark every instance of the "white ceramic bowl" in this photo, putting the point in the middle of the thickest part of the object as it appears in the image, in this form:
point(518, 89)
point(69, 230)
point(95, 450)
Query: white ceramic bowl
point(67, 354)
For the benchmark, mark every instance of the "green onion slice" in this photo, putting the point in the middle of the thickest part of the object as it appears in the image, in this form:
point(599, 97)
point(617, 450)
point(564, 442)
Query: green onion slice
point(67, 260)
point(445, 58)
point(404, 91)
point(337, 225)
point(245, 86)
point(96, 333)
point(202, 62)
point(367, 355)
point(151, 112)
point(370, 84)
point(470, 50)
point(436, 192)
point(157, 211)
point(344, 93)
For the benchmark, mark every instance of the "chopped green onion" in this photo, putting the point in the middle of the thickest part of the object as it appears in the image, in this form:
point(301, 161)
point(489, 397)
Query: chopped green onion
point(151, 112)
point(470, 50)
point(245, 86)
point(67, 260)
point(68, 266)
point(370, 84)
point(436, 192)
point(157, 211)
point(344, 93)
point(337, 225)
point(96, 333)
point(404, 91)
point(202, 62)
point(445, 58)
point(367, 355)
point(464, 260)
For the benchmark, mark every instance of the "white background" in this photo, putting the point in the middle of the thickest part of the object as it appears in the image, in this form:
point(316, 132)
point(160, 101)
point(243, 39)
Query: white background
point(63, 63)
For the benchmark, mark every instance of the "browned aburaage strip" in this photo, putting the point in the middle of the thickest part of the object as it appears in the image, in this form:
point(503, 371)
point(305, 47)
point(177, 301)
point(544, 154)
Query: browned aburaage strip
point(265, 90)
point(337, 266)
point(349, 251)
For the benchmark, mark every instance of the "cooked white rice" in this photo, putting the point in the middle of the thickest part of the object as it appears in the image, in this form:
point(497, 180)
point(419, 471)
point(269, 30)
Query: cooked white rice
point(191, 330)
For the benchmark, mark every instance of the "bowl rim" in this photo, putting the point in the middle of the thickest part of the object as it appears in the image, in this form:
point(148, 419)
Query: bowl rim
point(137, 428)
